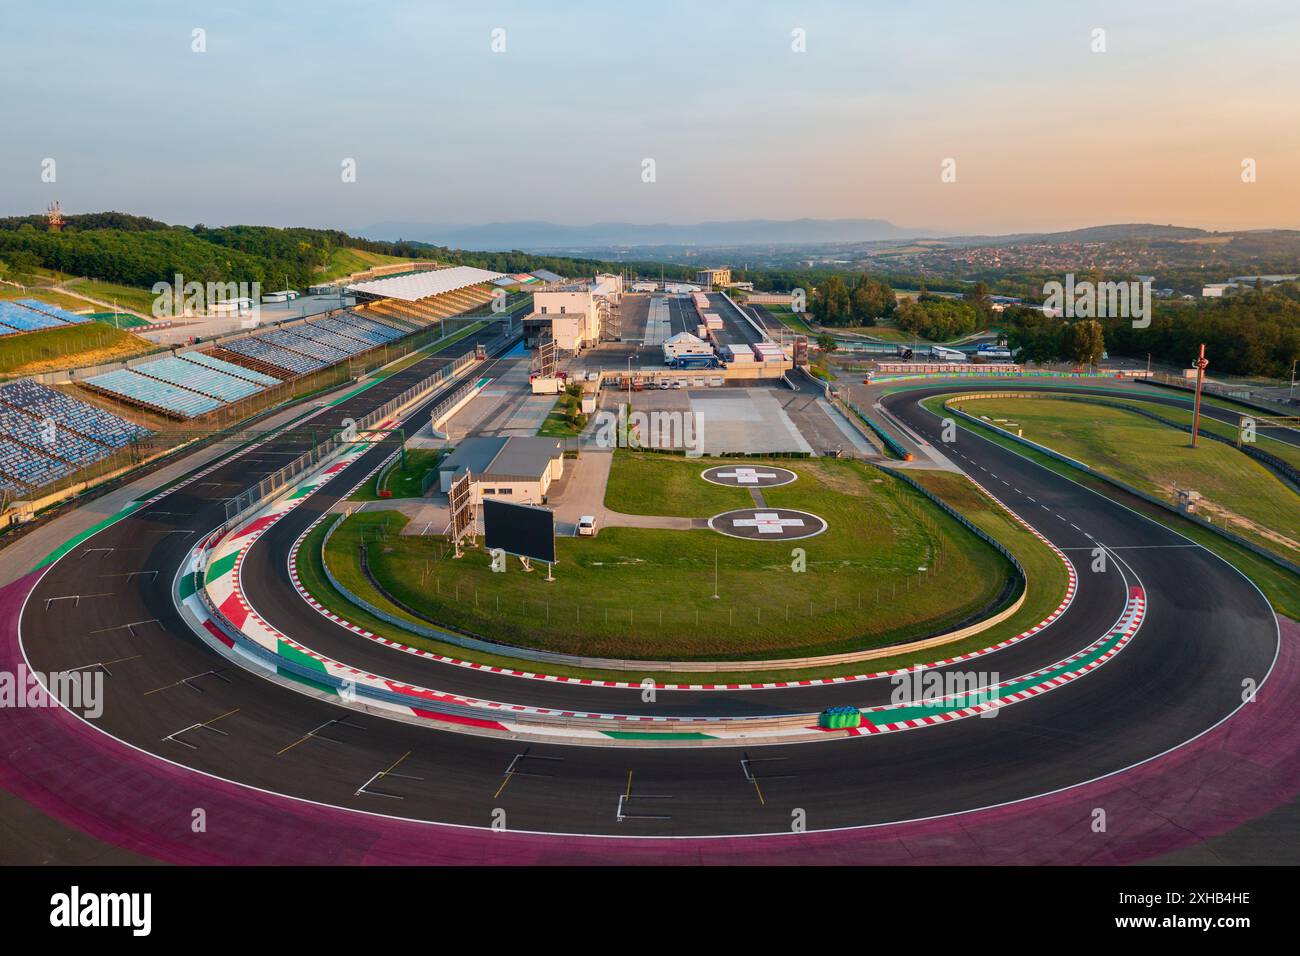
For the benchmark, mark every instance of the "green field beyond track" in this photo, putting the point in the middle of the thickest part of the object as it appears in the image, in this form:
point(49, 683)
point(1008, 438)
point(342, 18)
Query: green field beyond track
point(648, 593)
point(1237, 492)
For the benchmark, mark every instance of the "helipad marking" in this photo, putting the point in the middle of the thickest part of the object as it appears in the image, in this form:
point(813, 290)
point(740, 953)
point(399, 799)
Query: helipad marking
point(767, 523)
point(780, 524)
point(747, 476)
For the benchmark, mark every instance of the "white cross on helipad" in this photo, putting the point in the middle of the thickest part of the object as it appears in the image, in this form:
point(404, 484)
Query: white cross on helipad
point(747, 476)
point(767, 523)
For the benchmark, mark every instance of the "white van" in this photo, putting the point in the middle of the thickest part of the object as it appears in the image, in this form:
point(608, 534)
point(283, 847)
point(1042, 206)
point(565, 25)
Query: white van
point(587, 525)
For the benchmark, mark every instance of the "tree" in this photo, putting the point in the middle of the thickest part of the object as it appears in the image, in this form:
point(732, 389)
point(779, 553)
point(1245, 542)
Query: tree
point(830, 302)
point(870, 300)
point(978, 296)
point(1034, 336)
point(1084, 342)
point(826, 341)
point(937, 318)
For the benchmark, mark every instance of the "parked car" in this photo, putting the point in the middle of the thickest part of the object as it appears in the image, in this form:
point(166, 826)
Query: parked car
point(587, 525)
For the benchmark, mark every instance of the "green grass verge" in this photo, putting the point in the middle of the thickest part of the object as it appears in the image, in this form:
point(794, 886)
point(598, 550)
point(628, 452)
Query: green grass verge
point(86, 344)
point(1265, 438)
point(1236, 490)
point(344, 262)
point(125, 296)
point(402, 481)
point(789, 318)
point(51, 296)
point(120, 320)
point(648, 483)
point(557, 423)
point(1280, 587)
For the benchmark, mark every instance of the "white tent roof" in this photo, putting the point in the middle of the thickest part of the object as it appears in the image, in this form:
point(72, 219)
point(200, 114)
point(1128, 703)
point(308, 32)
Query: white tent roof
point(685, 338)
point(421, 285)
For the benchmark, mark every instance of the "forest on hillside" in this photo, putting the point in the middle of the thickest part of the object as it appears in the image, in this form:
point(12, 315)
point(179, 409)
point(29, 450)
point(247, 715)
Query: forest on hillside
point(138, 251)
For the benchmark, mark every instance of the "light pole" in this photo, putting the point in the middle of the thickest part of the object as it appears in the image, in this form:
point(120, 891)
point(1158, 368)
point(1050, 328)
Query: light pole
point(1291, 394)
point(1200, 364)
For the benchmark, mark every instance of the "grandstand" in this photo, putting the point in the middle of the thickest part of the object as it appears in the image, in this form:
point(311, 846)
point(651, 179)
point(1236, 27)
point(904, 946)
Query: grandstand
point(206, 380)
point(309, 346)
point(46, 435)
point(15, 318)
point(292, 340)
point(230, 368)
point(155, 395)
point(426, 297)
point(63, 315)
point(30, 315)
point(193, 384)
point(359, 327)
point(252, 352)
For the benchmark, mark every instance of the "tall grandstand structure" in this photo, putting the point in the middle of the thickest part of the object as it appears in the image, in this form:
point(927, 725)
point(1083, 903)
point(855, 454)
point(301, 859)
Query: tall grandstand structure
point(50, 439)
point(422, 298)
point(46, 435)
point(194, 383)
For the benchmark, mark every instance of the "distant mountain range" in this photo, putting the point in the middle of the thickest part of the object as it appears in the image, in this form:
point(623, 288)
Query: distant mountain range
point(539, 235)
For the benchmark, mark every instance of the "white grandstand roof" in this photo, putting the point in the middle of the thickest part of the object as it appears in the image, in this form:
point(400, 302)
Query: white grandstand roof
point(421, 285)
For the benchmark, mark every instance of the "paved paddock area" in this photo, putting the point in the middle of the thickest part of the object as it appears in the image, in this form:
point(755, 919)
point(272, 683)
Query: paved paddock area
point(728, 420)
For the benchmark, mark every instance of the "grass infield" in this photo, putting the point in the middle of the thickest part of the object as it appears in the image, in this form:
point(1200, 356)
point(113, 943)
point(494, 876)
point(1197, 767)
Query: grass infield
point(1047, 584)
point(890, 568)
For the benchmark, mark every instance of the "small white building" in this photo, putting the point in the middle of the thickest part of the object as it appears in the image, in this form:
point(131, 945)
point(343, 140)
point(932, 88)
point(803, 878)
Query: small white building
point(1216, 290)
point(519, 469)
point(683, 343)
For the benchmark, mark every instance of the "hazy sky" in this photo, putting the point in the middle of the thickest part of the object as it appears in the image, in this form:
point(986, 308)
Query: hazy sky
point(1045, 132)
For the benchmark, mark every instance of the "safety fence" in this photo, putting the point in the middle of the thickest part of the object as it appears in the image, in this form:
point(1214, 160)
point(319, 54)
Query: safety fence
point(885, 438)
point(251, 498)
point(1242, 395)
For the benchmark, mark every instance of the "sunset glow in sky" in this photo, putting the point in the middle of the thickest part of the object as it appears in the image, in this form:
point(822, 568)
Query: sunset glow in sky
point(1046, 133)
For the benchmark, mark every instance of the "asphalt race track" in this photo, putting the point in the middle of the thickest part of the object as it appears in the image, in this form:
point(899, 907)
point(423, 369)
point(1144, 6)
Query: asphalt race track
point(1206, 631)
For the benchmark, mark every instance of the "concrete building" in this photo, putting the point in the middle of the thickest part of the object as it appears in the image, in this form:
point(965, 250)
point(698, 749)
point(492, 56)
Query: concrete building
point(718, 278)
point(508, 469)
point(573, 315)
